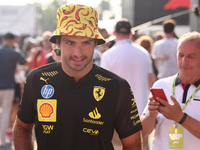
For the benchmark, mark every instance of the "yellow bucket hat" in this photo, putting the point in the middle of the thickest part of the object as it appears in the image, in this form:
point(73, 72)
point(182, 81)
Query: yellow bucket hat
point(77, 20)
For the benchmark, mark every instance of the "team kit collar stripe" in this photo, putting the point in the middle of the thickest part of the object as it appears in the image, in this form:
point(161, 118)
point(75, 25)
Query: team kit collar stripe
point(177, 82)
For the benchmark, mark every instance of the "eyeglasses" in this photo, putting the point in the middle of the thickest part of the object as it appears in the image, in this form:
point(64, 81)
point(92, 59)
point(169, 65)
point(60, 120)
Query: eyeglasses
point(58, 52)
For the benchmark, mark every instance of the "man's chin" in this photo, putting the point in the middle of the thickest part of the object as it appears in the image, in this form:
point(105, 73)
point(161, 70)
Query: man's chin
point(77, 68)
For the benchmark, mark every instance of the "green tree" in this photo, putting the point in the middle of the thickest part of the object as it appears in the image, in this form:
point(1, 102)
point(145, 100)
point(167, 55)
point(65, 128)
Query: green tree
point(104, 5)
point(46, 14)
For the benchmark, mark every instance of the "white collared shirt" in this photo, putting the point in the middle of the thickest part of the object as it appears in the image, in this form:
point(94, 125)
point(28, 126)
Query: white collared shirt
point(161, 136)
point(133, 63)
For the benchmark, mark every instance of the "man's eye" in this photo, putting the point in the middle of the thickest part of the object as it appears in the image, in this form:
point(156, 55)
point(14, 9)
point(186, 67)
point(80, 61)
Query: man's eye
point(180, 55)
point(192, 56)
point(69, 42)
point(86, 43)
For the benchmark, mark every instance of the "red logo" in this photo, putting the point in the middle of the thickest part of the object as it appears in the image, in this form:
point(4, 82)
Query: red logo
point(46, 110)
point(174, 4)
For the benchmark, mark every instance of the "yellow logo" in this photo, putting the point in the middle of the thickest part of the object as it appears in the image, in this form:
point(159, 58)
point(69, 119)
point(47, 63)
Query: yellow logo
point(47, 129)
point(101, 78)
point(95, 114)
point(91, 131)
point(45, 80)
point(46, 109)
point(98, 92)
point(50, 74)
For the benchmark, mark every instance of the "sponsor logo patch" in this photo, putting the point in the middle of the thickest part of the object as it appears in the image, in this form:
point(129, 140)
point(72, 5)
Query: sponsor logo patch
point(50, 74)
point(95, 114)
point(47, 128)
point(47, 109)
point(101, 78)
point(98, 92)
point(91, 131)
point(45, 80)
point(47, 91)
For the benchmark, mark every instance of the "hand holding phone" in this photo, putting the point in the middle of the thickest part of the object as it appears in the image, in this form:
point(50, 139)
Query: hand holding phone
point(158, 92)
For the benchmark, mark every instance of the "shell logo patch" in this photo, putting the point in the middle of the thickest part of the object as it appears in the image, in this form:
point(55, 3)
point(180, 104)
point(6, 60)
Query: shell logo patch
point(47, 91)
point(46, 109)
point(98, 92)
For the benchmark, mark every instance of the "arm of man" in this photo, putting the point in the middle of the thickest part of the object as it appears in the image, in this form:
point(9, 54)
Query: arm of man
point(174, 112)
point(23, 137)
point(149, 119)
point(132, 142)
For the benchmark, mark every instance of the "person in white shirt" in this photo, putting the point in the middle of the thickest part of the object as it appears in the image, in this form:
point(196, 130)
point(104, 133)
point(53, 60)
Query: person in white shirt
point(164, 51)
point(131, 62)
point(177, 122)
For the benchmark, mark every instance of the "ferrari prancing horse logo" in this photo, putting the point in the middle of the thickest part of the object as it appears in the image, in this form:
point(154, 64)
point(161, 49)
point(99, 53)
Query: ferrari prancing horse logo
point(98, 92)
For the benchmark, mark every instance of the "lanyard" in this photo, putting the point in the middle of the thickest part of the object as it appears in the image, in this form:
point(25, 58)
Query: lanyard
point(189, 97)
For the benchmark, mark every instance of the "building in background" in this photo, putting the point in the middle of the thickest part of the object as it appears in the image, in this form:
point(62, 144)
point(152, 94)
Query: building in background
point(142, 11)
point(18, 19)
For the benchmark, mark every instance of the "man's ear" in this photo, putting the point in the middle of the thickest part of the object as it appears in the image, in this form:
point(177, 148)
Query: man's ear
point(130, 35)
point(57, 43)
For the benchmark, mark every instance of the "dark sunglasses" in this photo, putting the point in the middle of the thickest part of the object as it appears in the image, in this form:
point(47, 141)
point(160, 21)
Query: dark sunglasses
point(57, 51)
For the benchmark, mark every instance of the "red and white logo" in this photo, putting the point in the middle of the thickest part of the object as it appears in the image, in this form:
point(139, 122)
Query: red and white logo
point(174, 4)
point(46, 110)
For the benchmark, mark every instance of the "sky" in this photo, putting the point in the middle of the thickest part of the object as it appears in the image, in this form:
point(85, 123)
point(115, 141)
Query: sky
point(115, 4)
point(92, 3)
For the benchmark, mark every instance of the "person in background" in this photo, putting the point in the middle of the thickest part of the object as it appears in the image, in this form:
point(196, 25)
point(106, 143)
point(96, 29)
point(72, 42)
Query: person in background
point(9, 58)
point(177, 122)
point(40, 57)
point(131, 62)
point(159, 35)
point(56, 53)
point(74, 104)
point(103, 47)
point(147, 42)
point(19, 84)
point(164, 51)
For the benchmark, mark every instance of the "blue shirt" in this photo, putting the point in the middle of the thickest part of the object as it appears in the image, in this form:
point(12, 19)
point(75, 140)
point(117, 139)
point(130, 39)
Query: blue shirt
point(8, 60)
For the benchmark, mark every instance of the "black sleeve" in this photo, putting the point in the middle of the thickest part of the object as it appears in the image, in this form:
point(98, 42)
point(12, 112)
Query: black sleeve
point(127, 121)
point(26, 111)
point(21, 59)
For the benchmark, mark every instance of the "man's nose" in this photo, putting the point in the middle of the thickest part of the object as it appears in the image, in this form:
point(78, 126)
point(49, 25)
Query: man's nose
point(184, 59)
point(78, 51)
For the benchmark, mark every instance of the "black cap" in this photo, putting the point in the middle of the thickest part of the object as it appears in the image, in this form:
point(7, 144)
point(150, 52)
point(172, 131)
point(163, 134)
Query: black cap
point(9, 36)
point(125, 24)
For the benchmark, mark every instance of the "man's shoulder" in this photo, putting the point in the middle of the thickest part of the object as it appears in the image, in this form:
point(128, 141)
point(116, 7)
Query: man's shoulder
point(164, 81)
point(48, 69)
point(7, 48)
point(108, 74)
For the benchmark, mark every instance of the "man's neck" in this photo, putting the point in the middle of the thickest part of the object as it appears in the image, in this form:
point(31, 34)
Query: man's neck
point(76, 74)
point(169, 35)
point(188, 80)
point(119, 39)
point(8, 44)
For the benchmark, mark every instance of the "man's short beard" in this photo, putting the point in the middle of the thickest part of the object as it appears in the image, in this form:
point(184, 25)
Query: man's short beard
point(71, 57)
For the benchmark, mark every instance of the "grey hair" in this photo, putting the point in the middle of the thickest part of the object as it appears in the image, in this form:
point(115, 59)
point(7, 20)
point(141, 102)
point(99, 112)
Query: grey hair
point(191, 36)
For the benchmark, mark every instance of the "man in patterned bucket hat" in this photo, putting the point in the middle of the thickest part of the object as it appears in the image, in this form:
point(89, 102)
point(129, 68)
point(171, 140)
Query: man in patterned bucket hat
point(74, 104)
point(77, 20)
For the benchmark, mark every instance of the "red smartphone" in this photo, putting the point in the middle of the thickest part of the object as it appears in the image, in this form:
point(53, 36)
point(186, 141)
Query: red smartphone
point(158, 92)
